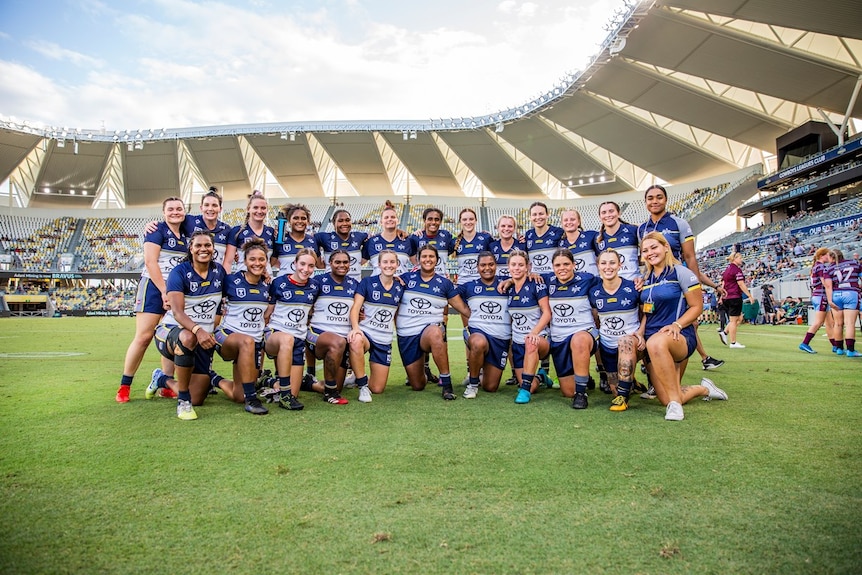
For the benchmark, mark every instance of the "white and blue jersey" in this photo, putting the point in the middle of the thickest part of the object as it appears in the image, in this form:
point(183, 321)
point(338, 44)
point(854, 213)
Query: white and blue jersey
point(328, 242)
point(443, 242)
point(173, 248)
point(220, 233)
point(618, 312)
point(246, 304)
point(625, 242)
point(423, 302)
point(202, 295)
point(663, 298)
point(292, 304)
point(489, 309)
point(466, 254)
point(541, 249)
point(675, 230)
point(570, 306)
point(501, 255)
point(332, 307)
point(380, 307)
point(402, 248)
point(524, 309)
point(286, 252)
point(584, 250)
point(241, 234)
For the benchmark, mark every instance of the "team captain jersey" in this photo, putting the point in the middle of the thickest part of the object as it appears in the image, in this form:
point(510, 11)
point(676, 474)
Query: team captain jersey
point(333, 304)
point(570, 306)
point(292, 303)
point(380, 307)
point(524, 309)
point(423, 303)
point(202, 295)
point(489, 309)
point(618, 312)
point(246, 304)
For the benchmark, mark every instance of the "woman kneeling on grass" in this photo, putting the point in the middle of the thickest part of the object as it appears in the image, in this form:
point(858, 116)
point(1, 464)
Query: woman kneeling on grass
point(377, 297)
point(239, 337)
point(287, 325)
point(671, 301)
point(615, 303)
point(530, 313)
point(420, 321)
point(194, 291)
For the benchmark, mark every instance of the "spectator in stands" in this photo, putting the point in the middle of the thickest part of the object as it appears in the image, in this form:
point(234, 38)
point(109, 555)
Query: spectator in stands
point(846, 274)
point(680, 238)
point(733, 282)
point(671, 302)
point(163, 250)
point(821, 295)
point(256, 212)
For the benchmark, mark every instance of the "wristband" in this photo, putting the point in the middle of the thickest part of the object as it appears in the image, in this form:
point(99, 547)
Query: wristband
point(195, 329)
point(676, 323)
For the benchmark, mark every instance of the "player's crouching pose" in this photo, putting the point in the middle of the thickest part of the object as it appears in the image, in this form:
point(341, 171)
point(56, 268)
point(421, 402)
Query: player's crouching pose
point(194, 290)
point(420, 324)
point(239, 337)
point(671, 301)
point(287, 326)
point(530, 313)
point(489, 330)
point(378, 298)
point(615, 303)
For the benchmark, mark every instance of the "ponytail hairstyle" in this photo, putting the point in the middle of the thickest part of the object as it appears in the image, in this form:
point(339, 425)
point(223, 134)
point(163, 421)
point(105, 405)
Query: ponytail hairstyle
point(819, 254)
point(460, 235)
point(256, 194)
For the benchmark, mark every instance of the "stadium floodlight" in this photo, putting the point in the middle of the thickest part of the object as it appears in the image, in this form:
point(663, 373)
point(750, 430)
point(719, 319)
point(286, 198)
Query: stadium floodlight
point(61, 143)
point(292, 136)
point(139, 145)
point(75, 147)
point(130, 146)
point(499, 128)
point(412, 134)
point(284, 135)
point(404, 134)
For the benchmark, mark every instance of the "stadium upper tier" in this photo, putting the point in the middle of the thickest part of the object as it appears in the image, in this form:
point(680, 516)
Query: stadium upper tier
point(680, 90)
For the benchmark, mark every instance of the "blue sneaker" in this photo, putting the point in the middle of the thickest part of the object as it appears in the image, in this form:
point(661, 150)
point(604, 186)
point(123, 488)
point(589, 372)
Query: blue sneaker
point(546, 381)
point(839, 351)
point(853, 353)
point(834, 349)
point(523, 396)
point(806, 348)
point(153, 388)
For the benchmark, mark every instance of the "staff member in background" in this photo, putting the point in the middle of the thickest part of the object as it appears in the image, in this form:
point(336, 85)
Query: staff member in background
point(733, 282)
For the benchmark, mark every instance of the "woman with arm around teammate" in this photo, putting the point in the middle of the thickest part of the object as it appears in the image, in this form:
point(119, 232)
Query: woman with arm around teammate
point(671, 301)
point(821, 295)
point(256, 213)
point(378, 297)
point(530, 313)
point(239, 337)
point(163, 250)
point(621, 345)
point(185, 335)
point(581, 242)
point(420, 321)
point(733, 282)
point(292, 297)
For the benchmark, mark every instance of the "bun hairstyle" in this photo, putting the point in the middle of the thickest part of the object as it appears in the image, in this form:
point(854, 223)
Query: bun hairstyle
point(254, 244)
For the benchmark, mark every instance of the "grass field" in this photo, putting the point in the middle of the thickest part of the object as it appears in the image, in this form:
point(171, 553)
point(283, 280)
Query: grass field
point(767, 482)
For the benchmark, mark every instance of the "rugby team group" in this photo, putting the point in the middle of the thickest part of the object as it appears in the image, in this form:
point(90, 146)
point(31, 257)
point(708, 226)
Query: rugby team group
point(622, 294)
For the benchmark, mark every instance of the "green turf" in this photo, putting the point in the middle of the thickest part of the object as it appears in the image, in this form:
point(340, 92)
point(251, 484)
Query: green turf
point(767, 482)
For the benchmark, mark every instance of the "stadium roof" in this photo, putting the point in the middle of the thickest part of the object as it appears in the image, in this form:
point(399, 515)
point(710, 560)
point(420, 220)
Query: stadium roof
point(680, 90)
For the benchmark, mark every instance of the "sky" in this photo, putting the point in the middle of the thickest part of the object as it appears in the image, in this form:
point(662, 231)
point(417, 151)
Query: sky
point(151, 64)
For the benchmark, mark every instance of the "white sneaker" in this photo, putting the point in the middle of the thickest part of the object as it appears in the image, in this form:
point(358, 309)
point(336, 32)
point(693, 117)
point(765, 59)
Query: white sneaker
point(674, 412)
point(649, 393)
point(722, 336)
point(471, 391)
point(350, 379)
point(715, 392)
point(737, 345)
point(364, 394)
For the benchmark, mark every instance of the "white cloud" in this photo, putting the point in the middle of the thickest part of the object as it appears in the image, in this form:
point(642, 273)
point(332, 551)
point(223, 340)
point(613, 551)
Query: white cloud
point(55, 52)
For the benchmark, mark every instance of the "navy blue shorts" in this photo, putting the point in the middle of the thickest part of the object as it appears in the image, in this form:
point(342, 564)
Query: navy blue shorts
point(610, 358)
point(311, 342)
point(221, 334)
point(498, 349)
point(562, 354)
point(298, 357)
point(410, 348)
point(149, 298)
point(379, 353)
point(519, 351)
point(171, 333)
